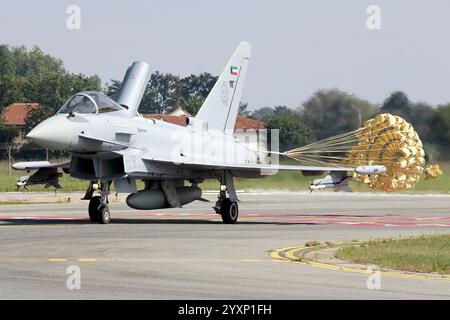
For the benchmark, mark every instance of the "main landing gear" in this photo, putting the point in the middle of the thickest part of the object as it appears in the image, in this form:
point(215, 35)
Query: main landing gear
point(98, 205)
point(227, 207)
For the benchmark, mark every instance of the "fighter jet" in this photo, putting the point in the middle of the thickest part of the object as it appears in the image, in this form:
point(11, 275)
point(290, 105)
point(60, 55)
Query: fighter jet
point(110, 142)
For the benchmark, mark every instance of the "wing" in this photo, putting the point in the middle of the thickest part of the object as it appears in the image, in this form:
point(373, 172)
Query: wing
point(259, 169)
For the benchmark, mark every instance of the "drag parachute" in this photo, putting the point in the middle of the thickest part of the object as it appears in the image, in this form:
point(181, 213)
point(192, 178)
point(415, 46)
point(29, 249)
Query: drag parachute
point(386, 140)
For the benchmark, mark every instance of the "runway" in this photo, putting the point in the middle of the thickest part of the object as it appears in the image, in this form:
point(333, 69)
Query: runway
point(188, 253)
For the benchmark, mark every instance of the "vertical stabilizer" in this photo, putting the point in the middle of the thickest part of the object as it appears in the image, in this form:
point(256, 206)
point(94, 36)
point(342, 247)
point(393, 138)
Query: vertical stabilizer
point(133, 86)
point(221, 107)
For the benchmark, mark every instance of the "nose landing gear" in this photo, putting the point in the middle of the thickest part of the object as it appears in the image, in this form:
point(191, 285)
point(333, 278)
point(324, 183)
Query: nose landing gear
point(98, 205)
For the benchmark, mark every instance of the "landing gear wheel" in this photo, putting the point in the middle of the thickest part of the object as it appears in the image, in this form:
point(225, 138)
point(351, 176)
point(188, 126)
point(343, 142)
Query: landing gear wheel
point(104, 215)
point(94, 205)
point(229, 211)
point(99, 211)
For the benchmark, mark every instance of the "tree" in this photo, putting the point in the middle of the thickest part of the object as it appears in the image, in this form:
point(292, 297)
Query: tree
point(161, 93)
point(243, 109)
point(441, 125)
point(33, 76)
point(36, 116)
point(112, 90)
point(398, 104)
point(284, 110)
point(6, 61)
point(35, 62)
point(196, 86)
point(12, 89)
point(421, 118)
point(332, 112)
point(191, 104)
point(292, 131)
point(8, 133)
point(263, 113)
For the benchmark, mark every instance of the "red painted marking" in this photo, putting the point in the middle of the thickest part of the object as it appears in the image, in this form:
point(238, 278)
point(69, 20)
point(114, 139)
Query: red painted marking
point(367, 223)
point(374, 220)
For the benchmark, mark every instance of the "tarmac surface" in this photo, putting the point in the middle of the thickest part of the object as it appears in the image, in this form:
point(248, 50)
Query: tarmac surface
point(188, 253)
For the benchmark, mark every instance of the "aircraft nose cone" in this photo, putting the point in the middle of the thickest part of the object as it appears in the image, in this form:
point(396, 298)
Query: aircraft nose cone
point(54, 133)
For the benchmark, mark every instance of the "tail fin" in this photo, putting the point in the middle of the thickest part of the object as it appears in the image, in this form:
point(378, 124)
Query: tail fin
point(221, 107)
point(133, 86)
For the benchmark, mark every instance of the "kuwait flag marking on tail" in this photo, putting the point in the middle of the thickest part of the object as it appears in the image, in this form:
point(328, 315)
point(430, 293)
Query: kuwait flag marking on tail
point(234, 70)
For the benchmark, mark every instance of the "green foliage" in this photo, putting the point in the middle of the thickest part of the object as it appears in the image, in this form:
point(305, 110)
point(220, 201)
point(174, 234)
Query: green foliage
point(421, 117)
point(430, 123)
point(165, 92)
point(292, 131)
point(418, 254)
point(284, 111)
point(191, 104)
point(440, 124)
point(32, 76)
point(243, 109)
point(263, 113)
point(161, 93)
point(112, 90)
point(8, 133)
point(35, 116)
point(397, 103)
point(196, 86)
point(7, 66)
point(332, 112)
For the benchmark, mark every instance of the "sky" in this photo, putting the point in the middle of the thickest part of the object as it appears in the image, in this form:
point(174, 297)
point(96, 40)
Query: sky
point(298, 47)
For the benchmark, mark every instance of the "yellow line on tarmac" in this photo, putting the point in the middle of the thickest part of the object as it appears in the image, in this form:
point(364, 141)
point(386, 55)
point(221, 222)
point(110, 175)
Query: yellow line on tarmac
point(57, 260)
point(288, 254)
point(87, 260)
point(156, 260)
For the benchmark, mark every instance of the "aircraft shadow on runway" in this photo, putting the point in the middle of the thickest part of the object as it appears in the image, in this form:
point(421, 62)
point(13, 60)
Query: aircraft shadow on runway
point(260, 220)
point(123, 221)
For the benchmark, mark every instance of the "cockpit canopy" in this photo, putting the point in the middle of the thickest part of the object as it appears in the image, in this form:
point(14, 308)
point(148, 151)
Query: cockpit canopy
point(90, 102)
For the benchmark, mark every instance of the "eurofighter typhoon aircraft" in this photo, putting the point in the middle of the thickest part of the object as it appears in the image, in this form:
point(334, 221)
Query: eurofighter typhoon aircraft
point(110, 142)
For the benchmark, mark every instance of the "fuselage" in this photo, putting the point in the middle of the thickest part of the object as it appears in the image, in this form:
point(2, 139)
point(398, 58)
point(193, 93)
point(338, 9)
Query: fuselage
point(104, 135)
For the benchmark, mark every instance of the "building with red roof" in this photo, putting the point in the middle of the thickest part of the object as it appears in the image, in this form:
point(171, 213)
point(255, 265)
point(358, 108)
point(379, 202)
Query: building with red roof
point(15, 115)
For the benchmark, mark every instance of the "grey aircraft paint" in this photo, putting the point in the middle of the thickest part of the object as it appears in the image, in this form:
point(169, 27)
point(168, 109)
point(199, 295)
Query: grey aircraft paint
point(110, 142)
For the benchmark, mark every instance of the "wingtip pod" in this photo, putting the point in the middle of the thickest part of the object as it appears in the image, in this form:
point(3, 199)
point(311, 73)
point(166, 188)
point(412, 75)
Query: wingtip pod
point(244, 50)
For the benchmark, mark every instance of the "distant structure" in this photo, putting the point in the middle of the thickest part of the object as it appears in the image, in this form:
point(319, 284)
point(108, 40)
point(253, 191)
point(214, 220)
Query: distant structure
point(15, 114)
point(178, 111)
point(248, 131)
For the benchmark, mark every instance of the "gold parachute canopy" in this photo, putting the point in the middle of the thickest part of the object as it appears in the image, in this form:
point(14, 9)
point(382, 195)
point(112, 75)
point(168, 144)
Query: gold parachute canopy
point(432, 172)
point(386, 140)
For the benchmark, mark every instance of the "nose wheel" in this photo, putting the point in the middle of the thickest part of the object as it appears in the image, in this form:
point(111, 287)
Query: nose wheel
point(99, 211)
point(98, 206)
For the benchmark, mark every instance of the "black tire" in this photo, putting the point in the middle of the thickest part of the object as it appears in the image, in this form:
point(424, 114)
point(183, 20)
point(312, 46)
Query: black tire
point(229, 211)
point(94, 206)
point(104, 215)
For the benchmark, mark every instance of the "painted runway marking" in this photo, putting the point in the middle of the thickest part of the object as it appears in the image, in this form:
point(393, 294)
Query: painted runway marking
point(289, 254)
point(364, 219)
point(366, 223)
